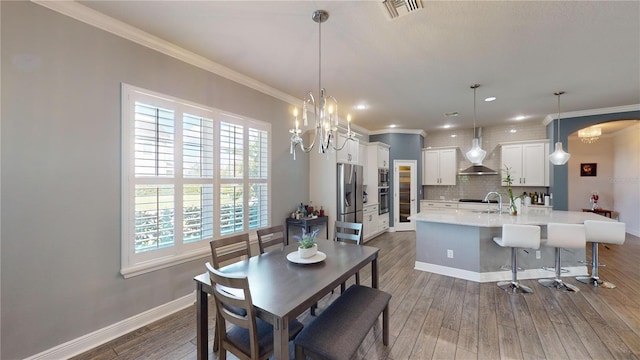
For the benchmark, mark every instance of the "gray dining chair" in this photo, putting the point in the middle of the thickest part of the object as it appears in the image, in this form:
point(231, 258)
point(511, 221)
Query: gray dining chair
point(348, 232)
point(249, 337)
point(226, 249)
point(229, 248)
point(271, 237)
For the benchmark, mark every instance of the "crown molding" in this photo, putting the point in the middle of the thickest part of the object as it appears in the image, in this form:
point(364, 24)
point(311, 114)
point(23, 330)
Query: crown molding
point(573, 114)
point(101, 21)
point(399, 131)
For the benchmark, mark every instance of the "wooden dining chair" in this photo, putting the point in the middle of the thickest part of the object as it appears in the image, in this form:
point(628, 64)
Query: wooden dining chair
point(348, 232)
point(250, 337)
point(271, 237)
point(230, 248)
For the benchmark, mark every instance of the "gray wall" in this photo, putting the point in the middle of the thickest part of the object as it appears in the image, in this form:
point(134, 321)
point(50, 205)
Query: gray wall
point(559, 173)
point(60, 148)
point(403, 147)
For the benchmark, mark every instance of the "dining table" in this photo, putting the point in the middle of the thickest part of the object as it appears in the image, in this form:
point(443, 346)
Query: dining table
point(283, 286)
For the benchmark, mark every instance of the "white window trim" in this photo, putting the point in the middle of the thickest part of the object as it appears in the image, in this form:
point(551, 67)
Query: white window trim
point(160, 259)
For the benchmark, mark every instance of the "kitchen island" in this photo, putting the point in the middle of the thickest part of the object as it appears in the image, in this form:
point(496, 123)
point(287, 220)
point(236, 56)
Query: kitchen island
point(459, 243)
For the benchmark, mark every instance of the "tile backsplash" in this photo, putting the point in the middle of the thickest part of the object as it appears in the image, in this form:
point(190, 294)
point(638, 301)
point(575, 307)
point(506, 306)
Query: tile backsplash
point(477, 186)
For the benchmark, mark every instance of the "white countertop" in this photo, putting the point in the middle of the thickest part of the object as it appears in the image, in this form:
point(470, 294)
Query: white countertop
point(532, 216)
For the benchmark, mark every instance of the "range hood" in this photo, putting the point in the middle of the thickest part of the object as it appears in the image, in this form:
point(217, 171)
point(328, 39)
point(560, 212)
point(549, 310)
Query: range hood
point(478, 169)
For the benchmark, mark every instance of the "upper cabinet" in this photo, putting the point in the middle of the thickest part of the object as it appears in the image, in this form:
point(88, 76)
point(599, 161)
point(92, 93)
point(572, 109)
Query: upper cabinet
point(439, 166)
point(527, 162)
point(383, 157)
point(349, 153)
point(377, 154)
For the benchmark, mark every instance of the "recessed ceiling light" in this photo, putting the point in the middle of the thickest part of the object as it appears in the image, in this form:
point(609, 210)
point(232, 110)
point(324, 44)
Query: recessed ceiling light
point(513, 131)
point(521, 117)
point(392, 125)
point(453, 135)
point(361, 107)
point(491, 98)
point(446, 126)
point(453, 113)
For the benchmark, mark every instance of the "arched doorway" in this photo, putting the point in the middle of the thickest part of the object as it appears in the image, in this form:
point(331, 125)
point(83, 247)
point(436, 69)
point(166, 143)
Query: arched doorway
point(570, 123)
point(596, 166)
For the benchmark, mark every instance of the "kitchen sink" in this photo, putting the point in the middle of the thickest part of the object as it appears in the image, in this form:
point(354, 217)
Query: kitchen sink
point(485, 211)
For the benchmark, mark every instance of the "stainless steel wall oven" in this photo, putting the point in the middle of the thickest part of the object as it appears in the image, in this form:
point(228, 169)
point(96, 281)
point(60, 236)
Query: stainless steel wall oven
point(383, 177)
point(383, 200)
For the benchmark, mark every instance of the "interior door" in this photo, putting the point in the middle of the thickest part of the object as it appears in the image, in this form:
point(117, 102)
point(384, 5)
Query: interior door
point(404, 194)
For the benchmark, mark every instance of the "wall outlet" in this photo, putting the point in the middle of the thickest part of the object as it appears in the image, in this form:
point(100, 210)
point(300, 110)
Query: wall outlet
point(450, 254)
point(538, 254)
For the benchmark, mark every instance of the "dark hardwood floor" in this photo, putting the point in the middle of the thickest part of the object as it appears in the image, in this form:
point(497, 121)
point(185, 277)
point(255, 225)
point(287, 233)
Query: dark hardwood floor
point(438, 317)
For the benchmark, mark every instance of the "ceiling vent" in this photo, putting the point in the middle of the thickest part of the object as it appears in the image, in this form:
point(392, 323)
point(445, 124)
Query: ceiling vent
point(397, 8)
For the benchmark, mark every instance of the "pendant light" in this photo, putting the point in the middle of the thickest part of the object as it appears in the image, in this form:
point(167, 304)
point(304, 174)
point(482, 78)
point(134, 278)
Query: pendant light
point(559, 156)
point(476, 154)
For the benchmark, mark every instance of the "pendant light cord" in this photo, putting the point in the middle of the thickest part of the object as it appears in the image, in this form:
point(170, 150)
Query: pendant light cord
point(558, 117)
point(474, 87)
point(474, 111)
point(558, 95)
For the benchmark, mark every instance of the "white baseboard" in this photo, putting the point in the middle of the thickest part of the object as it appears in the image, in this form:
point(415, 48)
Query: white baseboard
point(497, 275)
point(89, 341)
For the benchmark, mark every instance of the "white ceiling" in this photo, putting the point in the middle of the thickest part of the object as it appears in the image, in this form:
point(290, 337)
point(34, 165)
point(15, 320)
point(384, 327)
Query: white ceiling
point(412, 70)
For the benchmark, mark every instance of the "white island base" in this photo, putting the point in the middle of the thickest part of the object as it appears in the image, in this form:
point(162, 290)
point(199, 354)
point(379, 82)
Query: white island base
point(460, 244)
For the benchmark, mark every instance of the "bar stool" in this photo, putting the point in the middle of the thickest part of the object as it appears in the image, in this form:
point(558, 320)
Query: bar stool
point(563, 236)
point(607, 232)
point(517, 236)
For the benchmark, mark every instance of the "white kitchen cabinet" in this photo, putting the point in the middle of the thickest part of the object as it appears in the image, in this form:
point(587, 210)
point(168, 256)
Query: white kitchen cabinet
point(369, 221)
point(362, 158)
point(383, 222)
point(437, 205)
point(439, 166)
point(383, 157)
point(371, 177)
point(527, 163)
point(349, 153)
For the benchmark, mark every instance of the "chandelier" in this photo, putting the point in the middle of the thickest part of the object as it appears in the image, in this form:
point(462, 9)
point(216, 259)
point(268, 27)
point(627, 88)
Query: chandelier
point(590, 135)
point(559, 156)
point(475, 154)
point(325, 110)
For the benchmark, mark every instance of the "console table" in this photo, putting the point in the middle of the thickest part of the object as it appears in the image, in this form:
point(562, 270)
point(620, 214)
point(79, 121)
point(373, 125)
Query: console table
point(602, 212)
point(307, 224)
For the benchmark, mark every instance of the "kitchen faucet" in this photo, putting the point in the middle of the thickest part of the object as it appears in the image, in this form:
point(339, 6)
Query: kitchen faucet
point(486, 198)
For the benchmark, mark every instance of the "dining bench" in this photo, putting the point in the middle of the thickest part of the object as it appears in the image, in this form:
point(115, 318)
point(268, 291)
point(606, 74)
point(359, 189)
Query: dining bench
point(340, 329)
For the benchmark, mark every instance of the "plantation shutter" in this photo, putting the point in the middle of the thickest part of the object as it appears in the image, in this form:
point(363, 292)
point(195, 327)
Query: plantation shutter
point(258, 176)
point(232, 178)
point(198, 171)
point(154, 142)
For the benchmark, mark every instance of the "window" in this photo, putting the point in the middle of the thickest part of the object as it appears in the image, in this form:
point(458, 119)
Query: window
point(190, 174)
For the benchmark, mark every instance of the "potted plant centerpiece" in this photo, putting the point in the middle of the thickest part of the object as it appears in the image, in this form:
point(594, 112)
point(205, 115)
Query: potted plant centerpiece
point(307, 245)
point(513, 209)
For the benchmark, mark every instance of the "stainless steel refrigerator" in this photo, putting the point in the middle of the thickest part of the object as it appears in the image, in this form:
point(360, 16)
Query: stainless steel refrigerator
point(350, 179)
